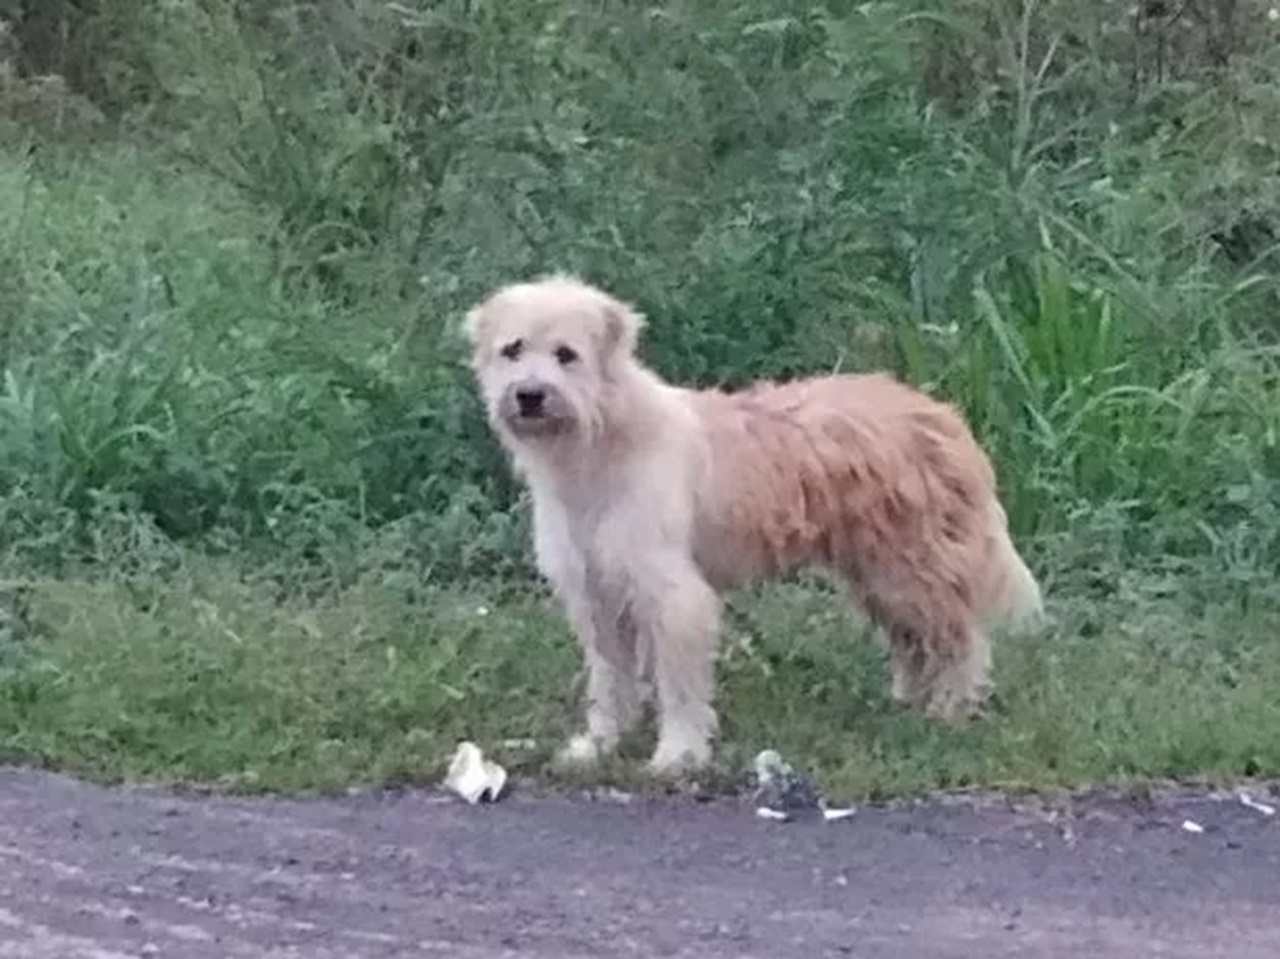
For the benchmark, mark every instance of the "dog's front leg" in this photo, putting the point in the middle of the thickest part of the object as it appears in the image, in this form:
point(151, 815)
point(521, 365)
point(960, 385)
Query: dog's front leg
point(678, 622)
point(612, 698)
point(605, 635)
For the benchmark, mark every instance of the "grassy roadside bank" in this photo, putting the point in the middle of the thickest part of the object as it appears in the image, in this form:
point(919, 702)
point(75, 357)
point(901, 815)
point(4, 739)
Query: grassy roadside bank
point(249, 510)
point(213, 681)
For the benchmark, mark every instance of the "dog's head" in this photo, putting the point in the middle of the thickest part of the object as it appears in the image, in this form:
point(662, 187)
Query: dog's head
point(546, 354)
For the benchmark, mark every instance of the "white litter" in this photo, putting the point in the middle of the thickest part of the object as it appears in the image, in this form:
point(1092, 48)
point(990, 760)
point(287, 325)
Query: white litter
point(1192, 826)
point(616, 795)
point(1264, 808)
point(779, 786)
point(777, 815)
point(782, 792)
point(473, 777)
point(524, 744)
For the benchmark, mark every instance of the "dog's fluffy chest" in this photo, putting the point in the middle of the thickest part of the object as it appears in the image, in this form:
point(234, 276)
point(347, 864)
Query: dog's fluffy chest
point(597, 520)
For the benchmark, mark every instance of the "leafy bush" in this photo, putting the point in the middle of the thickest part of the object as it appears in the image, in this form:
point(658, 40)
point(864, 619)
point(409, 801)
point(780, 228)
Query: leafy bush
point(232, 319)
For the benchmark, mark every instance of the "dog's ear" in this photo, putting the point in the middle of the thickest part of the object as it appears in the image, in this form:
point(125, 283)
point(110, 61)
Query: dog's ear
point(474, 323)
point(622, 326)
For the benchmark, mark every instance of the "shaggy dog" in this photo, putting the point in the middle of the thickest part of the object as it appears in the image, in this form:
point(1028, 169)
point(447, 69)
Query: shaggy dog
point(649, 499)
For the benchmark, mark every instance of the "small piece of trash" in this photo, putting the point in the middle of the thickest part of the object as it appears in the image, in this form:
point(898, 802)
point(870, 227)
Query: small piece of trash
point(777, 815)
point(1266, 810)
point(472, 776)
point(519, 744)
point(1190, 825)
point(779, 787)
point(781, 791)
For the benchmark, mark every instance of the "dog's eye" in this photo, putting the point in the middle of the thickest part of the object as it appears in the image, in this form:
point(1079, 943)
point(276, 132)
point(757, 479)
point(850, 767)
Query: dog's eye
point(565, 355)
point(512, 350)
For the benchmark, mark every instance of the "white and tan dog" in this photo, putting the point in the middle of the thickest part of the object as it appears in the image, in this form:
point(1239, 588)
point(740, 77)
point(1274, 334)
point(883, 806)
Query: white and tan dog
point(649, 499)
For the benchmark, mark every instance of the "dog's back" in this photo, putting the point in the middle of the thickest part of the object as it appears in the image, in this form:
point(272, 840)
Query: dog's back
point(862, 473)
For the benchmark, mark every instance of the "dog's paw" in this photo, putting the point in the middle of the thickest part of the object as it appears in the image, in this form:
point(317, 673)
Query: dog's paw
point(580, 751)
point(676, 756)
point(954, 710)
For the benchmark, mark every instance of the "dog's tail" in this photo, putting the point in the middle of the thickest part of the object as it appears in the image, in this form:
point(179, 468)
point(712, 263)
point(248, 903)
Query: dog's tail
point(1012, 597)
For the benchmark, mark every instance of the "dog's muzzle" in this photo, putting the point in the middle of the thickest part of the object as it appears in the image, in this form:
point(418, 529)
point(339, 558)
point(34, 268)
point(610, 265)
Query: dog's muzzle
point(530, 400)
point(531, 408)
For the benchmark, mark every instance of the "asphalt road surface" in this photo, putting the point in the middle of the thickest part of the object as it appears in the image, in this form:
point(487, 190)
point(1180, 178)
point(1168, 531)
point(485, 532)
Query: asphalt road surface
point(93, 873)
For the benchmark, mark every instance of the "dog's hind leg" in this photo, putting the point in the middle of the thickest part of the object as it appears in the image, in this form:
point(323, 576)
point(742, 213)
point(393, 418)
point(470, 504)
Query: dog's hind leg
point(940, 659)
point(906, 664)
point(945, 675)
point(957, 678)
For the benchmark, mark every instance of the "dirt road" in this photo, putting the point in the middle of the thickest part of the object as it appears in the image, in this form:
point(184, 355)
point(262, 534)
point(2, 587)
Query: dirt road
point(92, 873)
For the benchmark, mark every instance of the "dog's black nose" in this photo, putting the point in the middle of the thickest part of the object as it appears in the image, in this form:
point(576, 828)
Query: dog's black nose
point(529, 399)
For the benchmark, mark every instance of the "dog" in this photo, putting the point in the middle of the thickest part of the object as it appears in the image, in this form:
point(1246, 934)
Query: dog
point(650, 500)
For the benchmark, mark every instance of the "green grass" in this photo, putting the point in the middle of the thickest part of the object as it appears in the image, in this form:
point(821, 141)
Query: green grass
point(246, 480)
point(213, 681)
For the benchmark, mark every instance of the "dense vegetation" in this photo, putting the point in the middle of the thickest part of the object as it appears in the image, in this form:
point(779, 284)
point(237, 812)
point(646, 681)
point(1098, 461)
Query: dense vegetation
point(245, 486)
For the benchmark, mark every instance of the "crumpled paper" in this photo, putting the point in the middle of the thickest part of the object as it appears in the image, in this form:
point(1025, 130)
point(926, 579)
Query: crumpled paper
point(473, 777)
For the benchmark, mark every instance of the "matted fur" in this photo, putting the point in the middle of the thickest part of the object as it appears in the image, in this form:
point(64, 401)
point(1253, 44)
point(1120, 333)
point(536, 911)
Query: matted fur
point(649, 499)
